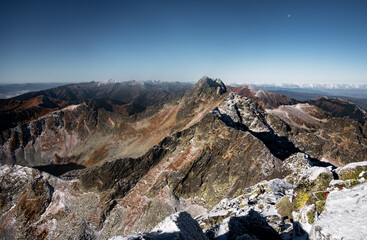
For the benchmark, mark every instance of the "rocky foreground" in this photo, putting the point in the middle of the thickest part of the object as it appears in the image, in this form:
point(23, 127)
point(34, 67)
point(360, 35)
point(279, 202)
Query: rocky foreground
point(312, 202)
point(308, 204)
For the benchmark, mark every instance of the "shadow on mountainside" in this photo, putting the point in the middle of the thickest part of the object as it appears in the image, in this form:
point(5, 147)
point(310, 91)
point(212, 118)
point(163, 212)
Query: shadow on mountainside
point(253, 226)
point(280, 147)
point(59, 169)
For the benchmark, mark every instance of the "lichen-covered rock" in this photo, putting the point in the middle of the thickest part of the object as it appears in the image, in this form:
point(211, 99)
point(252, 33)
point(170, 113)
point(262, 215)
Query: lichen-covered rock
point(353, 171)
point(258, 198)
point(312, 187)
point(297, 163)
point(306, 216)
point(284, 207)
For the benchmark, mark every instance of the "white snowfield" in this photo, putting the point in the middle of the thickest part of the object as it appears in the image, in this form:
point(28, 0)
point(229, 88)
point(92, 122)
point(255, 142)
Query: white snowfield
point(73, 107)
point(344, 216)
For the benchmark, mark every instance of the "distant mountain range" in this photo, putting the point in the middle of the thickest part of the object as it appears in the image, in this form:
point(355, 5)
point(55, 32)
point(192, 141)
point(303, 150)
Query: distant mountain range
point(316, 86)
point(300, 92)
point(12, 90)
point(303, 92)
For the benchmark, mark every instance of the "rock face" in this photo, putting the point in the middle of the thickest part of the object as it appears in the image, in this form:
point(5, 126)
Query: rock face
point(277, 209)
point(335, 140)
point(36, 205)
point(242, 170)
point(14, 112)
point(127, 98)
point(265, 98)
point(53, 138)
point(72, 123)
point(341, 108)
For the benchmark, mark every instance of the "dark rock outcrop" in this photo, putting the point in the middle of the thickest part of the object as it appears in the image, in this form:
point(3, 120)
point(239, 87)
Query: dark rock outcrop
point(250, 226)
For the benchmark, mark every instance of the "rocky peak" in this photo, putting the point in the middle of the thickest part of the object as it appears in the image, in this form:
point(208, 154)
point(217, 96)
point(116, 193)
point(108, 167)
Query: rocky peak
point(242, 113)
point(206, 82)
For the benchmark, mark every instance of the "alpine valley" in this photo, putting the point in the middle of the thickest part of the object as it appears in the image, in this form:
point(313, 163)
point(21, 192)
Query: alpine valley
point(171, 160)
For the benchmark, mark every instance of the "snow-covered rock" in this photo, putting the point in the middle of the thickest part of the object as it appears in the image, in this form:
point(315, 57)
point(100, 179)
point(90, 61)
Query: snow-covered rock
point(109, 81)
point(279, 186)
point(241, 113)
point(344, 215)
point(353, 165)
point(305, 217)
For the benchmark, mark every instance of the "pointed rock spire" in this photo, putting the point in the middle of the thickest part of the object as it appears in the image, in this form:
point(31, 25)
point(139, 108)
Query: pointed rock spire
point(208, 82)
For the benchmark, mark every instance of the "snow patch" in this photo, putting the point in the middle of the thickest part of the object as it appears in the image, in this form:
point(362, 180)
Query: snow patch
point(302, 217)
point(73, 107)
point(353, 165)
point(109, 81)
point(344, 215)
point(314, 172)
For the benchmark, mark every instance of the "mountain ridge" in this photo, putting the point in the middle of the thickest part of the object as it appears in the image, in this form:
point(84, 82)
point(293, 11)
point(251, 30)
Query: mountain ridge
point(198, 147)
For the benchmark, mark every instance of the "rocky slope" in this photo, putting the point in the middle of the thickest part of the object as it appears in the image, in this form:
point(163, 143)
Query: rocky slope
point(127, 98)
point(265, 98)
point(307, 204)
point(274, 167)
point(79, 128)
point(335, 140)
point(336, 107)
point(341, 108)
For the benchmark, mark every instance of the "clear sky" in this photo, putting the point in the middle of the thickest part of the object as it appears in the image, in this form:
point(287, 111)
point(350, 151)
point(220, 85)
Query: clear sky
point(315, 41)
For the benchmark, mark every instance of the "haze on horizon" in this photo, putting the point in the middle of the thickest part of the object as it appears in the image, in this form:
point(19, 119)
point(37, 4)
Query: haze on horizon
point(262, 41)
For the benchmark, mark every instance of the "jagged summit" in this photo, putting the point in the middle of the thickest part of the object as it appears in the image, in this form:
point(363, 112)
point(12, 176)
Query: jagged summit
point(212, 83)
point(265, 98)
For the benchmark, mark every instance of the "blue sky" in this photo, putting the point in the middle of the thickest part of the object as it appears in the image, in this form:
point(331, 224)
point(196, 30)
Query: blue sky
point(249, 41)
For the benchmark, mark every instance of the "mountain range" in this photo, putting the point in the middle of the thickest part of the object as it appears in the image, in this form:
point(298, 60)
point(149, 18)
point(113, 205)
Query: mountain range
point(171, 160)
point(304, 92)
